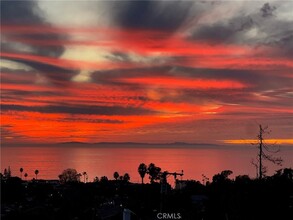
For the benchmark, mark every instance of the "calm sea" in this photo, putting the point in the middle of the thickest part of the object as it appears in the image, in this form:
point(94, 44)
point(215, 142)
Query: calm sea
point(105, 160)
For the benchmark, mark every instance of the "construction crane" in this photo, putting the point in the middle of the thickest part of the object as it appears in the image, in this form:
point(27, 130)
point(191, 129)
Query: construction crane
point(163, 181)
point(165, 174)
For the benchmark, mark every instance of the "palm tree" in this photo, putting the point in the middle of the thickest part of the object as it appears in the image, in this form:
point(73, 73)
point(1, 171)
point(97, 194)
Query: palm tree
point(25, 176)
point(36, 172)
point(154, 172)
point(116, 175)
point(142, 169)
point(84, 174)
point(21, 170)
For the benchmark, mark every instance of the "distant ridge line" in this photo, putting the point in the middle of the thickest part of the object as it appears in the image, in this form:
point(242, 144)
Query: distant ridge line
point(138, 143)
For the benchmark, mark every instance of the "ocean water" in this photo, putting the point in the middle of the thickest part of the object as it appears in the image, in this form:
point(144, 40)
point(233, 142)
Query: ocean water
point(104, 160)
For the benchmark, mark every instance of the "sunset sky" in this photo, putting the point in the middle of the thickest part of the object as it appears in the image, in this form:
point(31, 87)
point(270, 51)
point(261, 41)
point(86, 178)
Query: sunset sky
point(146, 71)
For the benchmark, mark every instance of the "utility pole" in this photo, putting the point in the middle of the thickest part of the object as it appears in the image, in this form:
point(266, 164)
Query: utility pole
point(260, 138)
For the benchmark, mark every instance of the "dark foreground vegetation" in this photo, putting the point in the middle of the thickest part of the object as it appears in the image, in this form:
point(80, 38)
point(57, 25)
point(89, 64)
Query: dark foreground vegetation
point(241, 198)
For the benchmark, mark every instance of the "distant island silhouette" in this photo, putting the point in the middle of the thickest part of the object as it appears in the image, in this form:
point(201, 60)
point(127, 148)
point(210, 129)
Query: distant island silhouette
point(138, 143)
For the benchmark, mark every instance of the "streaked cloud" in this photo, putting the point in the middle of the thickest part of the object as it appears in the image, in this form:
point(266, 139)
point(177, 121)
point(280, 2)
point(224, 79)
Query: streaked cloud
point(143, 71)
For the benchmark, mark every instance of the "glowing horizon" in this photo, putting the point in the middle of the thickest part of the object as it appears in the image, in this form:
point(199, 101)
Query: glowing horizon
point(254, 141)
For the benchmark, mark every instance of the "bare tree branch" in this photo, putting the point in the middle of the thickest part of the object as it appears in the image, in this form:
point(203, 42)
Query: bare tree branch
point(263, 154)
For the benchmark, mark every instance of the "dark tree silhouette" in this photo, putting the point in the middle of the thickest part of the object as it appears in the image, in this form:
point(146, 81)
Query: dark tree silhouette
point(25, 176)
point(104, 179)
point(153, 172)
point(242, 178)
point(84, 176)
point(142, 170)
point(21, 170)
point(80, 175)
point(264, 153)
point(286, 173)
point(7, 173)
point(205, 179)
point(36, 172)
point(69, 175)
point(116, 175)
point(126, 177)
point(222, 177)
point(96, 179)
